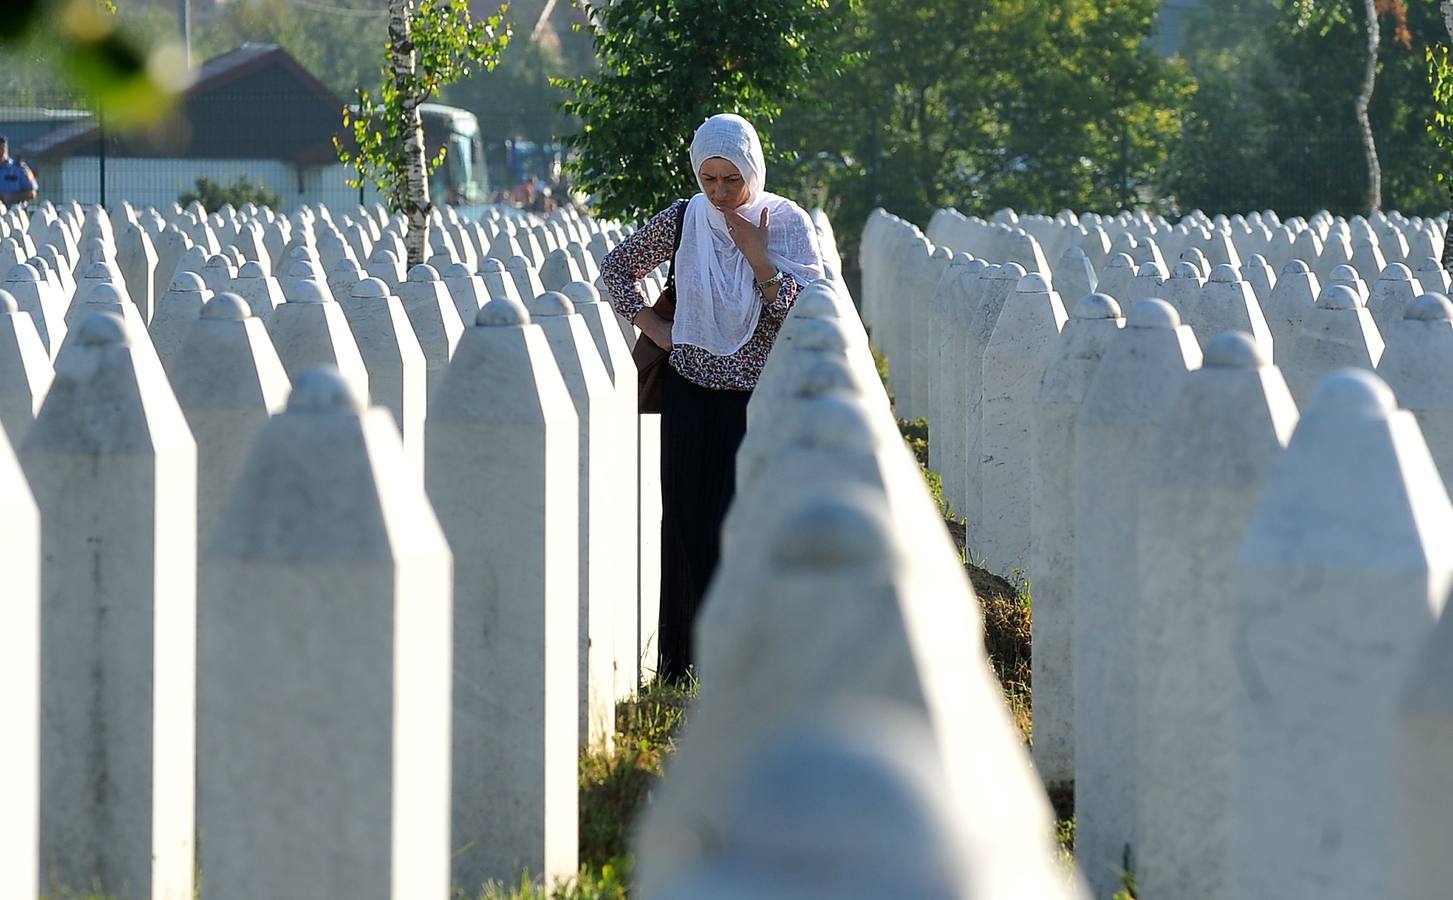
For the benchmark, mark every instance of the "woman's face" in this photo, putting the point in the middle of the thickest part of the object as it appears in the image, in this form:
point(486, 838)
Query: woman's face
point(723, 184)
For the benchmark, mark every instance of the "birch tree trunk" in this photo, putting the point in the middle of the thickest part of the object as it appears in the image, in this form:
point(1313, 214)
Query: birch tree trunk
point(1446, 7)
point(1364, 99)
point(1448, 236)
point(414, 199)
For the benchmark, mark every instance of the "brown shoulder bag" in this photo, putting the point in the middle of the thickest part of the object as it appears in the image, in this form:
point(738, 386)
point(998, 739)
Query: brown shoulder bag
point(651, 360)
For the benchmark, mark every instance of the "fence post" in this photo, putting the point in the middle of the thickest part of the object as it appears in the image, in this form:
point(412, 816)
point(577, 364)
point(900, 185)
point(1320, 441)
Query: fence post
point(101, 150)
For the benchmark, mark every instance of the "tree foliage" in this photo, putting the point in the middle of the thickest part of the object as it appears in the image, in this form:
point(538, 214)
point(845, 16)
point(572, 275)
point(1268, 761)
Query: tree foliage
point(1273, 125)
point(214, 195)
point(1440, 125)
point(448, 44)
point(981, 104)
point(516, 100)
point(665, 66)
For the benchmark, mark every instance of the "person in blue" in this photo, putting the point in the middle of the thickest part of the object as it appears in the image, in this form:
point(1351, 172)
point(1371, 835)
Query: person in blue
point(17, 182)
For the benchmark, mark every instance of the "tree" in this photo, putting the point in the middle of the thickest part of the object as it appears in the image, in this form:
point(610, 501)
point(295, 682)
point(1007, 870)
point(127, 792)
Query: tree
point(665, 66)
point(981, 104)
point(213, 196)
point(340, 46)
point(1322, 16)
point(1440, 125)
point(431, 43)
point(1273, 123)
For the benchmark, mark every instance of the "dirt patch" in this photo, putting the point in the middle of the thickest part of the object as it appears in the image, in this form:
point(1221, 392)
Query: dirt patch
point(1008, 638)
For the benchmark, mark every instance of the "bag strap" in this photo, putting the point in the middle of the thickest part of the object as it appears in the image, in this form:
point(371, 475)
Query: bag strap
point(676, 245)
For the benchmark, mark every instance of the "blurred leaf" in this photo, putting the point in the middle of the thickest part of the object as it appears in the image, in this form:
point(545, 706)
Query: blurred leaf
point(119, 78)
point(19, 18)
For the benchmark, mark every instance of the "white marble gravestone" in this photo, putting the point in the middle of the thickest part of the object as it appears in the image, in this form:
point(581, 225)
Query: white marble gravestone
point(1337, 585)
point(310, 330)
point(176, 312)
point(1418, 365)
point(601, 591)
point(229, 381)
point(113, 469)
point(1086, 336)
point(137, 260)
point(1132, 392)
point(20, 647)
point(25, 370)
point(1209, 464)
point(501, 444)
point(1337, 332)
point(1023, 343)
point(435, 320)
point(324, 665)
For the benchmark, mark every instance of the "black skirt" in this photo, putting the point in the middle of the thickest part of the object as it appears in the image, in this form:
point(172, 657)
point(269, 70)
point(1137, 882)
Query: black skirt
point(701, 430)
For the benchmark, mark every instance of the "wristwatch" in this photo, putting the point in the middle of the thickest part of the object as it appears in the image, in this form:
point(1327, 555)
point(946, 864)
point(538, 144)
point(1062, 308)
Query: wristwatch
point(775, 280)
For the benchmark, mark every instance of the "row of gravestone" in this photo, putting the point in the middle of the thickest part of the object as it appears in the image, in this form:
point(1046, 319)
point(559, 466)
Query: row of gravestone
point(1070, 242)
point(1237, 656)
point(187, 239)
point(357, 533)
point(849, 739)
point(952, 321)
point(368, 342)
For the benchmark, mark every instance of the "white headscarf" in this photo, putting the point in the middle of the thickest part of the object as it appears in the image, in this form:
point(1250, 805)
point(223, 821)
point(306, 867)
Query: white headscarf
point(717, 305)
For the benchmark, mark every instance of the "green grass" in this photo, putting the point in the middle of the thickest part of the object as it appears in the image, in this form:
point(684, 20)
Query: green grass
point(613, 789)
point(610, 882)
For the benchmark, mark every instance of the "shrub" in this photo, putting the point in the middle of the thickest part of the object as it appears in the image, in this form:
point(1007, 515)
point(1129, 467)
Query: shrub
point(214, 196)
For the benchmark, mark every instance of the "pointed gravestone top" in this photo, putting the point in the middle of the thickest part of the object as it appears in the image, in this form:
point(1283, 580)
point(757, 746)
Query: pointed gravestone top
point(423, 272)
point(551, 303)
point(1347, 275)
point(188, 281)
point(1338, 441)
point(844, 531)
point(1225, 273)
point(370, 289)
point(1339, 296)
point(227, 306)
point(23, 272)
point(1032, 283)
point(1187, 270)
point(816, 304)
point(584, 292)
point(1430, 308)
point(1235, 350)
point(306, 290)
point(106, 292)
point(1152, 313)
point(502, 311)
point(1391, 294)
point(323, 390)
point(1096, 306)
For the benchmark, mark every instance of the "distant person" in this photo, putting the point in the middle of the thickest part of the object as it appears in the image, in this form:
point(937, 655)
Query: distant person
point(742, 255)
point(525, 192)
point(17, 182)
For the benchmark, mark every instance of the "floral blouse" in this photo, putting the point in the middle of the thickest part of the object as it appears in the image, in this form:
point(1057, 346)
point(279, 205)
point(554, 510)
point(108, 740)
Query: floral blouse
point(625, 266)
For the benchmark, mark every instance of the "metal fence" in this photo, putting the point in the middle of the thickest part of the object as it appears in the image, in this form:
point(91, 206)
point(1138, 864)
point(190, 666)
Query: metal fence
point(272, 145)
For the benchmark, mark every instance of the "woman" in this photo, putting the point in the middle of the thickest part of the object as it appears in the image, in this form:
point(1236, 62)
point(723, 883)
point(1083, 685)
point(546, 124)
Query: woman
point(744, 255)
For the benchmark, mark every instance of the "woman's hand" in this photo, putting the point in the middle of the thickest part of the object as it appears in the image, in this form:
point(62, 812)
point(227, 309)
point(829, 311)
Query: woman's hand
point(750, 239)
point(655, 328)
